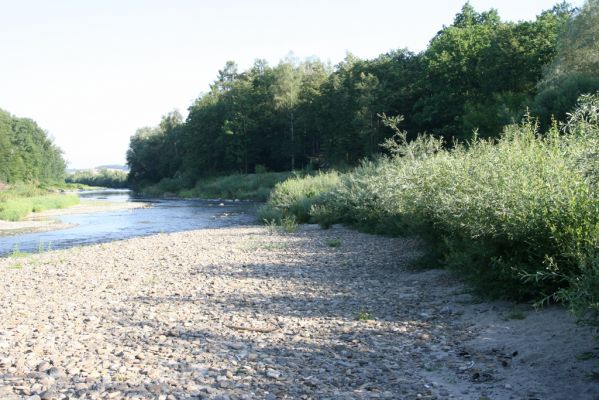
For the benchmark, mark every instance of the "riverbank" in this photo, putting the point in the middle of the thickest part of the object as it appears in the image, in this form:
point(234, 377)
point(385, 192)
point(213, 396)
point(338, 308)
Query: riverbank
point(256, 187)
point(45, 220)
point(247, 313)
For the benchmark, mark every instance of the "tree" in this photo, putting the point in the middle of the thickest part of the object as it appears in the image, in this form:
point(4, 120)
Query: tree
point(575, 70)
point(286, 90)
point(27, 153)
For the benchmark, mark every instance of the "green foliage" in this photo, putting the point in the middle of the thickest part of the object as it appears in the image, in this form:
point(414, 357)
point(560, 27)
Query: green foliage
point(250, 186)
point(334, 243)
point(364, 315)
point(27, 154)
point(237, 186)
point(558, 97)
point(479, 73)
point(298, 195)
point(17, 209)
point(578, 47)
point(21, 199)
point(17, 253)
point(285, 224)
point(288, 224)
point(575, 69)
point(517, 216)
point(109, 178)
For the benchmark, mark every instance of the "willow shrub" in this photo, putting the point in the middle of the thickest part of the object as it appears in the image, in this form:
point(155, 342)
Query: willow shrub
point(518, 217)
point(296, 196)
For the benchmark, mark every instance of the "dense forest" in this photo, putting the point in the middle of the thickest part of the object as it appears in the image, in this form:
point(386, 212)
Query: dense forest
point(26, 152)
point(478, 74)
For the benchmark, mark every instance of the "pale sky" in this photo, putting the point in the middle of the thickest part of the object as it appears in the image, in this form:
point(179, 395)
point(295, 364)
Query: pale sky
point(92, 72)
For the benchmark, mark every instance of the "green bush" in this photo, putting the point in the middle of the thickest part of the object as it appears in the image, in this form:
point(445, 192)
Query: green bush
point(297, 195)
point(518, 217)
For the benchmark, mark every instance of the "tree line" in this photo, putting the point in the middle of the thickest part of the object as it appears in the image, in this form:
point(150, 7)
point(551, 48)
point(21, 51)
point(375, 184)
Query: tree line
point(27, 154)
point(476, 75)
point(102, 177)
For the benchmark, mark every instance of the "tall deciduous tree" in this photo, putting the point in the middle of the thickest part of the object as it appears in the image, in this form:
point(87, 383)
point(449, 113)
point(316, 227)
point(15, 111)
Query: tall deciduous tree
point(286, 91)
point(575, 70)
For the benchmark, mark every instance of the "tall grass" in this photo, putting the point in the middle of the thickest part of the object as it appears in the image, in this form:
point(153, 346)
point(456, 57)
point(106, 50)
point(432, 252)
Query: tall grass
point(20, 200)
point(298, 195)
point(238, 186)
point(518, 217)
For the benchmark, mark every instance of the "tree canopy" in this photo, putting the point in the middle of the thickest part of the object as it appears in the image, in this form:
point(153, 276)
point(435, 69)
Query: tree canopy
point(478, 74)
point(27, 154)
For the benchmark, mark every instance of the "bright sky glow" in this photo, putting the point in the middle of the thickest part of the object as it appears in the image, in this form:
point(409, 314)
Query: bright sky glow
point(92, 72)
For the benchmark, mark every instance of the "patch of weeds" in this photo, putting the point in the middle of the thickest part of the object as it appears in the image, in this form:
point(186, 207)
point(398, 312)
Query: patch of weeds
point(41, 248)
point(364, 315)
point(120, 378)
point(15, 266)
point(240, 371)
point(152, 280)
point(334, 243)
point(16, 253)
point(288, 224)
point(514, 314)
point(586, 356)
point(273, 246)
point(271, 226)
point(284, 225)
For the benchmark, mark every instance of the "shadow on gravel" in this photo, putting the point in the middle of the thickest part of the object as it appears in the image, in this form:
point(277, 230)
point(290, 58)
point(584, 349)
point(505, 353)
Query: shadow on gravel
point(357, 364)
point(352, 294)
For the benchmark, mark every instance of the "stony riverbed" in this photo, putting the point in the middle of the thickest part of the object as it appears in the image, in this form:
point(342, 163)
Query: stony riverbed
point(246, 313)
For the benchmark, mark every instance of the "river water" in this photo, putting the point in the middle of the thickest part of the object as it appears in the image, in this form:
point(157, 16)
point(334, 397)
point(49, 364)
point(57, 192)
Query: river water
point(162, 217)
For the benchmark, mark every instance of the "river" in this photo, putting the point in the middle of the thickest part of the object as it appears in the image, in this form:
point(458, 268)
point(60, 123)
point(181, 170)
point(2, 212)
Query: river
point(162, 217)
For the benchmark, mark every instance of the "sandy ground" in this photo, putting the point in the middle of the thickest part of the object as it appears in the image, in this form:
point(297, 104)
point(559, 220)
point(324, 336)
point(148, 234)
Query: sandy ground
point(44, 221)
point(245, 313)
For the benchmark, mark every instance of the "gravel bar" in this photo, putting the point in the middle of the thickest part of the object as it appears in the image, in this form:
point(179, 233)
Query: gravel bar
point(248, 313)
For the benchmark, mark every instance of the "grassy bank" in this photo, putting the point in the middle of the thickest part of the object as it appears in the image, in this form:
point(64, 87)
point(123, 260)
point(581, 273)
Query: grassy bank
point(517, 217)
point(19, 200)
point(244, 187)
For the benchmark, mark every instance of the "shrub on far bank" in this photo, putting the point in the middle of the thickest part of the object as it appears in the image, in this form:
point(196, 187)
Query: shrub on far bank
point(238, 186)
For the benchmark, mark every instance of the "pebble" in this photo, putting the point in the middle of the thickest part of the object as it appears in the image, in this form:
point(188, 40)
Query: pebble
point(43, 366)
point(49, 395)
point(271, 373)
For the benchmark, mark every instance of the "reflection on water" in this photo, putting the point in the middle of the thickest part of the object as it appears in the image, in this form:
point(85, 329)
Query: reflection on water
point(162, 217)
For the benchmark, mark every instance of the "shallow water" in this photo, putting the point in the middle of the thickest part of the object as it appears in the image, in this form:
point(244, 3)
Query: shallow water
point(162, 217)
